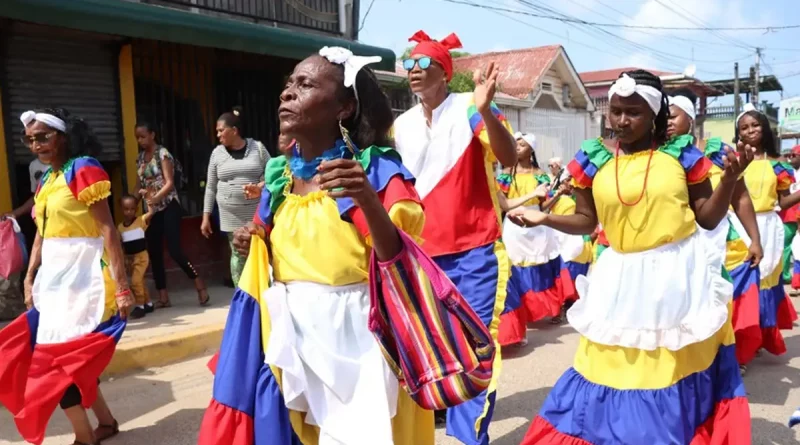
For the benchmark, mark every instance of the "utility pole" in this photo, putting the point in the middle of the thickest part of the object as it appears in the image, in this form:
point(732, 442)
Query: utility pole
point(757, 80)
point(737, 101)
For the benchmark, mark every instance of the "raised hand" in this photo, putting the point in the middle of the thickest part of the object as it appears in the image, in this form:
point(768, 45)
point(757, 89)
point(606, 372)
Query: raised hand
point(485, 87)
point(736, 161)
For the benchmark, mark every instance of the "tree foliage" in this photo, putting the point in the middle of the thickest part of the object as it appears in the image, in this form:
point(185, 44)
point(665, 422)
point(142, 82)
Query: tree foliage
point(462, 82)
point(456, 54)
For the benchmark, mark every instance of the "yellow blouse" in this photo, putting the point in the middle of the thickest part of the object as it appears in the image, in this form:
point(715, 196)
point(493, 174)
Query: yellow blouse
point(311, 242)
point(662, 216)
point(763, 185)
point(63, 199)
point(523, 184)
point(564, 206)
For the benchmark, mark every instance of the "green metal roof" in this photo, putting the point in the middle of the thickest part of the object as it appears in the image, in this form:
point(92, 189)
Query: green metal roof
point(146, 21)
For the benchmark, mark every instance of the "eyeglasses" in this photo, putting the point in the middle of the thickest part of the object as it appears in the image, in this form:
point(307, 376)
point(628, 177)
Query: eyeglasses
point(423, 62)
point(38, 138)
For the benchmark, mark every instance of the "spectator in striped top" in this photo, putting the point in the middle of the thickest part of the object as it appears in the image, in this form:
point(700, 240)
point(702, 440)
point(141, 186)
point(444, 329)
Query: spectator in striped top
point(236, 166)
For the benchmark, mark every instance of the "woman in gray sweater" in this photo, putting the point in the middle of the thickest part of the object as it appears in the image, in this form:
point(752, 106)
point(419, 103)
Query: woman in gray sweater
point(236, 165)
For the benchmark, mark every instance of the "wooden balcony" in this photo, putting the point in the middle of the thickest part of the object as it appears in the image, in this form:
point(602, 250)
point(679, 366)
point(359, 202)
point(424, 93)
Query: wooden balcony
point(318, 15)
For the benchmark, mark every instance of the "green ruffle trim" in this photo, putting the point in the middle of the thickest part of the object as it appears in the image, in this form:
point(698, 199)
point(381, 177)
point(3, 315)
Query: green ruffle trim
point(542, 178)
point(713, 145)
point(277, 174)
point(675, 145)
point(596, 152)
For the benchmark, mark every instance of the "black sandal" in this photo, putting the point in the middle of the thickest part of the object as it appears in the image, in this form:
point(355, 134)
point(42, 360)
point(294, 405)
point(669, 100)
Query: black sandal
point(109, 430)
point(203, 302)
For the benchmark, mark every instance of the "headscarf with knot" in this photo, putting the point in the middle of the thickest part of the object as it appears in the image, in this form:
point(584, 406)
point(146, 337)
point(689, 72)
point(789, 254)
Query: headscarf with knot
point(436, 50)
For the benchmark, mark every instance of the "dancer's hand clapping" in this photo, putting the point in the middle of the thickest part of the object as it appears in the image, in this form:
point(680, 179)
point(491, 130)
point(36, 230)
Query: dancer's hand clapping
point(243, 235)
point(527, 217)
point(736, 161)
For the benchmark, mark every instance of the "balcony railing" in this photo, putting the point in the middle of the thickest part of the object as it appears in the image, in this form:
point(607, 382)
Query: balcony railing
point(727, 111)
point(321, 15)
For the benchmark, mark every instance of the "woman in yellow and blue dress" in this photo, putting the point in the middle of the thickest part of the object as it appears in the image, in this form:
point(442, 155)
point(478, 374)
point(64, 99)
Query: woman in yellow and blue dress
point(656, 360)
point(539, 282)
point(768, 181)
point(741, 260)
point(54, 354)
point(298, 364)
point(576, 250)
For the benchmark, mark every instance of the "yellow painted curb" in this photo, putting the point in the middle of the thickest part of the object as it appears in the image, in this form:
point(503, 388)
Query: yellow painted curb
point(159, 351)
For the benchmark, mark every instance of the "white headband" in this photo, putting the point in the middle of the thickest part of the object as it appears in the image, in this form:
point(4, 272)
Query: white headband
point(352, 65)
point(527, 137)
point(748, 107)
point(626, 86)
point(685, 104)
point(45, 118)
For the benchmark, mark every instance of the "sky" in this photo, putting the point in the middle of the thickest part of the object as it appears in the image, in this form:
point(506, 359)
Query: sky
point(389, 23)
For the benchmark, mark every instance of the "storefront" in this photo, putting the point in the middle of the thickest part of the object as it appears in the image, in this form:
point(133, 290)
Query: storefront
point(116, 62)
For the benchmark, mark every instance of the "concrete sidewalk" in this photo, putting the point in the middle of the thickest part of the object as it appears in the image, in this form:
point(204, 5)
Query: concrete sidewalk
point(170, 335)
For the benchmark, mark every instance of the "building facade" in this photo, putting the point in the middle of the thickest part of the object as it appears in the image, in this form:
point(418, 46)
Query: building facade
point(177, 64)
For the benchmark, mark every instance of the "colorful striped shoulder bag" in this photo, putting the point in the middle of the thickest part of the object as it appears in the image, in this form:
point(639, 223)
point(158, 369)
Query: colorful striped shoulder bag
point(437, 346)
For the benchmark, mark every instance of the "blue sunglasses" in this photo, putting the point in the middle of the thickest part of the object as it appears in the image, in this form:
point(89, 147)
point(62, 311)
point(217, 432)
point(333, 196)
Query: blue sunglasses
point(423, 62)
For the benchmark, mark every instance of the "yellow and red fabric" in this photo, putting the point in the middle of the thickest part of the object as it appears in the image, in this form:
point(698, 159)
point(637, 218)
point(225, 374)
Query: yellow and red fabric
point(765, 179)
point(744, 276)
point(452, 160)
point(539, 285)
point(37, 369)
point(248, 406)
point(688, 393)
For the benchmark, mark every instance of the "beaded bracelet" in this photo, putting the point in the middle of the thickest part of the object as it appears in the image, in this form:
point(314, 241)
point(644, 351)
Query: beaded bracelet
point(124, 293)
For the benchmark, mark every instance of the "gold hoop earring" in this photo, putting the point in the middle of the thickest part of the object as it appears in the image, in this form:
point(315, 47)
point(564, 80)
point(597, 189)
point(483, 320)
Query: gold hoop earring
point(346, 137)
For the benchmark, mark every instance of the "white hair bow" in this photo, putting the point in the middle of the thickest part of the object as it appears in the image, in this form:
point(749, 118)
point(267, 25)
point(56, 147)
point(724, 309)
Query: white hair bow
point(748, 107)
point(45, 118)
point(352, 63)
point(626, 86)
point(684, 104)
point(527, 137)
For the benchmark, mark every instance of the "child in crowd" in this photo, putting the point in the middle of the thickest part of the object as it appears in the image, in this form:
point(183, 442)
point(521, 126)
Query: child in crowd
point(135, 247)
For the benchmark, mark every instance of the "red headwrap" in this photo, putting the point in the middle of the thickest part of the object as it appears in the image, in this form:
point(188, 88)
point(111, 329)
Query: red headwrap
point(438, 51)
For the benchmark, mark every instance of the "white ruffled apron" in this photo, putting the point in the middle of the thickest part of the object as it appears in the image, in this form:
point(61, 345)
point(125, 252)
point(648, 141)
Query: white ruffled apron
point(670, 296)
point(770, 228)
point(333, 368)
point(69, 290)
point(529, 245)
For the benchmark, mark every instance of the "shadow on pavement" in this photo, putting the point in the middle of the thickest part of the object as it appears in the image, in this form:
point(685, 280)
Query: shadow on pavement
point(179, 428)
point(769, 379)
point(539, 334)
point(766, 432)
point(128, 399)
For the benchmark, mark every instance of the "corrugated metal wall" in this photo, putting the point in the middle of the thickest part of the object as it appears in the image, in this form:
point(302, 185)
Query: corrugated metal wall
point(42, 69)
point(558, 133)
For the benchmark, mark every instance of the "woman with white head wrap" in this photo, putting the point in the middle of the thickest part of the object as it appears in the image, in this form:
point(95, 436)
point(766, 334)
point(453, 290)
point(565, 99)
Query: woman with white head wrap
point(319, 376)
point(656, 361)
point(768, 182)
point(539, 282)
point(740, 260)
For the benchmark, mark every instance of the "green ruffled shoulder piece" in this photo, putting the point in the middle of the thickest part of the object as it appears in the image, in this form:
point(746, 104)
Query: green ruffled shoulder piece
point(277, 176)
point(542, 178)
point(713, 145)
point(785, 165)
point(275, 180)
point(596, 152)
point(676, 144)
point(366, 156)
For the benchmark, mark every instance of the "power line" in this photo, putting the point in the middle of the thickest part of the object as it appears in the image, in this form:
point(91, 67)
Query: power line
point(701, 23)
point(364, 20)
point(676, 59)
point(620, 25)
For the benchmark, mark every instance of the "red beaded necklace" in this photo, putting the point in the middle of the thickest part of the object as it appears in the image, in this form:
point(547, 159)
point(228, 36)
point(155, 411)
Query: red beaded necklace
point(646, 175)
